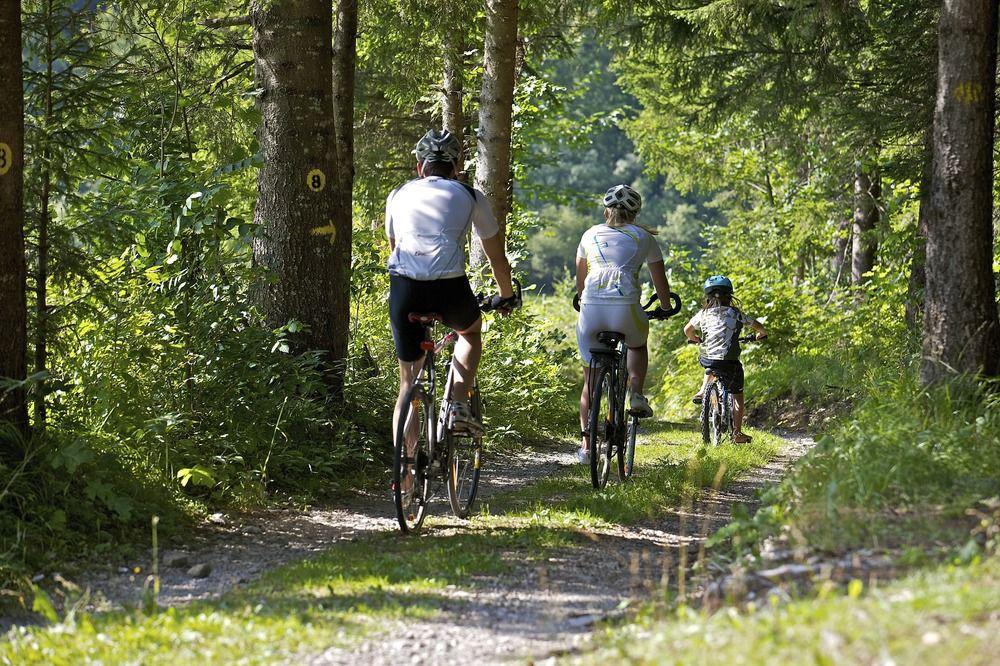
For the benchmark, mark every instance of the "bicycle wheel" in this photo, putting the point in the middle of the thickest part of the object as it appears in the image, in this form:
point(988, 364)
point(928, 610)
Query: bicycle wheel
point(630, 436)
point(410, 480)
point(600, 428)
point(464, 459)
point(711, 422)
point(706, 414)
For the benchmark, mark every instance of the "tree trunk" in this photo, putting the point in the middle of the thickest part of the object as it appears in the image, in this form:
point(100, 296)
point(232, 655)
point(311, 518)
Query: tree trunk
point(299, 240)
point(867, 190)
point(345, 56)
point(961, 330)
point(918, 273)
point(452, 118)
point(13, 304)
point(44, 218)
point(496, 105)
point(841, 245)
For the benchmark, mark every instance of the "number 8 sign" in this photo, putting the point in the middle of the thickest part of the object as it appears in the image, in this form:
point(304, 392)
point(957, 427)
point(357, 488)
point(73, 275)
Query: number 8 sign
point(6, 158)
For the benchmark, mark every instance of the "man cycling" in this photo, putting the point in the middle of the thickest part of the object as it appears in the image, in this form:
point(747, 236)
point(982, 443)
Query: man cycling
point(427, 221)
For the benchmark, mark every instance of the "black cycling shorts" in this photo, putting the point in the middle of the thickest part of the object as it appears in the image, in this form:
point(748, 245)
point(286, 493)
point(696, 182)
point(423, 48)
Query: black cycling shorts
point(730, 373)
point(452, 298)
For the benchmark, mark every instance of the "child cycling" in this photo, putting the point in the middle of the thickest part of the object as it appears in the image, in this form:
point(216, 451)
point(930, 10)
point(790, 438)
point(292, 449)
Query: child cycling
point(608, 261)
point(720, 321)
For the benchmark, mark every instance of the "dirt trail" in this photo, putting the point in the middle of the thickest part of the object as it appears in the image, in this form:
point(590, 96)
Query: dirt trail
point(533, 612)
point(539, 611)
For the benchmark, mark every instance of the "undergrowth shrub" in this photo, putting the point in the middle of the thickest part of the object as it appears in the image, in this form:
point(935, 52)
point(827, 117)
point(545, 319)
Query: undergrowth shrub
point(906, 459)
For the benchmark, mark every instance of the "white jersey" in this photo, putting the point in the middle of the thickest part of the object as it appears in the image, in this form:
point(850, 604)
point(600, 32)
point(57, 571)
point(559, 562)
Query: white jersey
point(614, 257)
point(720, 331)
point(429, 219)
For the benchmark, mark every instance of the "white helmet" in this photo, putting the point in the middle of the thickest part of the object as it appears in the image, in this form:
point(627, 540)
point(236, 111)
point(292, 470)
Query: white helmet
point(438, 146)
point(623, 196)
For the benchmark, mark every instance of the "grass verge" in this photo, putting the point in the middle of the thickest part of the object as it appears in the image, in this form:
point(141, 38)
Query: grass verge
point(946, 616)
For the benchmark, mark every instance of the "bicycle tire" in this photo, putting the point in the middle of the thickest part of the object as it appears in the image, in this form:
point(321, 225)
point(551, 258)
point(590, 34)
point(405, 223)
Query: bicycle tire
point(464, 462)
point(630, 436)
point(600, 429)
point(706, 415)
point(411, 506)
point(713, 402)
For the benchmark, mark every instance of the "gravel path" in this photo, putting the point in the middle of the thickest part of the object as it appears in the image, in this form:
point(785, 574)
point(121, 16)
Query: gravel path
point(534, 612)
point(238, 547)
point(541, 611)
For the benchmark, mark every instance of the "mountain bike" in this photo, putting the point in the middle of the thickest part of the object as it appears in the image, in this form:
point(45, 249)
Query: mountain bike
point(717, 407)
point(610, 436)
point(426, 453)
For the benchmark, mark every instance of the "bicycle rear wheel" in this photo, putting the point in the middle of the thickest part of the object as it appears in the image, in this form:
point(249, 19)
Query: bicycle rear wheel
point(711, 416)
point(630, 436)
point(464, 459)
point(411, 460)
point(600, 428)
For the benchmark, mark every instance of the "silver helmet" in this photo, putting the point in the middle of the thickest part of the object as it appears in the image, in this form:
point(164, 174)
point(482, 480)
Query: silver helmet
point(438, 146)
point(623, 196)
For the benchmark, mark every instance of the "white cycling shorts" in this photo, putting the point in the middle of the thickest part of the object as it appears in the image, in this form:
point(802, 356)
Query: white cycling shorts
point(625, 318)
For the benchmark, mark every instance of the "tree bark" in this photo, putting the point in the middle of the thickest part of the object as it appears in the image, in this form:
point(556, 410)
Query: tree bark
point(453, 89)
point(345, 42)
point(44, 218)
point(496, 105)
point(961, 329)
point(300, 241)
point(13, 303)
point(918, 274)
point(841, 245)
point(867, 190)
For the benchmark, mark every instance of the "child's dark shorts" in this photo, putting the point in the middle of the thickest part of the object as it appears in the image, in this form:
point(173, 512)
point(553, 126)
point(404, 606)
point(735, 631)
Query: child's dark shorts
point(730, 373)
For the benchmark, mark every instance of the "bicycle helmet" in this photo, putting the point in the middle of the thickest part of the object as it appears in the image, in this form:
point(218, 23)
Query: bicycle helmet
point(719, 283)
point(623, 196)
point(438, 146)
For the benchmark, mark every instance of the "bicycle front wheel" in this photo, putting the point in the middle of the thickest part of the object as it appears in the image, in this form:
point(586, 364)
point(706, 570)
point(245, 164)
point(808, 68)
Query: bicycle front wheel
point(601, 428)
point(630, 436)
point(411, 460)
point(464, 460)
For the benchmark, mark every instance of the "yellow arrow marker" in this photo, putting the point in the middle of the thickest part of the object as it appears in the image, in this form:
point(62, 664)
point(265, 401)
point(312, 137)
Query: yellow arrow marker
point(328, 230)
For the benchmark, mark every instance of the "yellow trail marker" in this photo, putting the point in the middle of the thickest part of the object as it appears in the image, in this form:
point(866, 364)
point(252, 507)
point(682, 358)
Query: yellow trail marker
point(316, 180)
point(6, 158)
point(328, 230)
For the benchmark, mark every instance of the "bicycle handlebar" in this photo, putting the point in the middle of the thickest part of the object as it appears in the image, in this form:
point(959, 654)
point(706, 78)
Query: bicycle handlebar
point(488, 302)
point(748, 338)
point(659, 313)
point(656, 313)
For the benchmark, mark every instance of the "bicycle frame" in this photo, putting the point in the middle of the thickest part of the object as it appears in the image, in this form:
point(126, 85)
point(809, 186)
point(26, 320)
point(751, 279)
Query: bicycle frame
point(427, 377)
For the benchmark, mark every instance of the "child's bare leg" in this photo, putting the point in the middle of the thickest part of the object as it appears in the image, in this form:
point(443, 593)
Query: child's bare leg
point(738, 413)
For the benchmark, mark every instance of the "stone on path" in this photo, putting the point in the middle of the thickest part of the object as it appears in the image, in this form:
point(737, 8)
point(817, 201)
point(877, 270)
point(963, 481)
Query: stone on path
point(200, 570)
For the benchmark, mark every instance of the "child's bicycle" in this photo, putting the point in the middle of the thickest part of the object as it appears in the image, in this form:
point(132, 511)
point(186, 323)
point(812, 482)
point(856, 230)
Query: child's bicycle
point(717, 407)
point(610, 436)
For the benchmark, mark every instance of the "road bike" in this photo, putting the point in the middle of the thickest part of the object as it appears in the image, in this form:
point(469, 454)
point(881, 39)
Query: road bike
point(427, 453)
point(717, 406)
point(610, 437)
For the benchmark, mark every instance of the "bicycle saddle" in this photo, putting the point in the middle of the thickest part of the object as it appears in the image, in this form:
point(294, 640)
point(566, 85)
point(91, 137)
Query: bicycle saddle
point(610, 338)
point(424, 318)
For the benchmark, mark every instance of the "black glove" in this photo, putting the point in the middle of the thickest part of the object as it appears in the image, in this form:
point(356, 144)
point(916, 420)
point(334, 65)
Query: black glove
point(576, 302)
point(498, 302)
point(658, 313)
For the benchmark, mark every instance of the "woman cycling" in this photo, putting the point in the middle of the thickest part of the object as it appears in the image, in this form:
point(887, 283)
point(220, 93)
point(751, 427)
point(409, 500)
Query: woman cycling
point(608, 261)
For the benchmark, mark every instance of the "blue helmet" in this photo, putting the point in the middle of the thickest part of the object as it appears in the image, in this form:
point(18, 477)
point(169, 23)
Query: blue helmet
point(719, 283)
